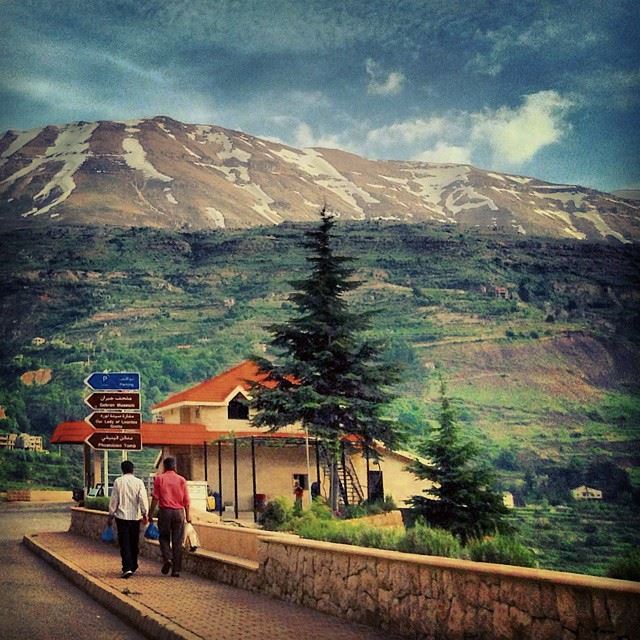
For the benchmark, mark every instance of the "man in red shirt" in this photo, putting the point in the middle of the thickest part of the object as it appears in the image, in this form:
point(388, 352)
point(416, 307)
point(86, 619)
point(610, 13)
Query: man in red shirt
point(171, 493)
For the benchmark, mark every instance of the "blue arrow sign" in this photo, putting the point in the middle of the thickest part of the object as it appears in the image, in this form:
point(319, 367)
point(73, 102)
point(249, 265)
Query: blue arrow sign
point(117, 381)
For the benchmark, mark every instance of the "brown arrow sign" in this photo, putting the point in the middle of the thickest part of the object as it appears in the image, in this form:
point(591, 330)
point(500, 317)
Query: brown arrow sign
point(120, 440)
point(108, 400)
point(115, 420)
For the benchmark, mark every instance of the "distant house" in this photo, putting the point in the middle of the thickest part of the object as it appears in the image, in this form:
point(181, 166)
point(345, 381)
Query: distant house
point(8, 441)
point(508, 500)
point(38, 341)
point(27, 441)
point(586, 493)
point(21, 441)
point(501, 292)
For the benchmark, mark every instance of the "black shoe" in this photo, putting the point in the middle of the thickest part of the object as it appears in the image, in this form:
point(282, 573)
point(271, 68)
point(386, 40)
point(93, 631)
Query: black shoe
point(127, 574)
point(165, 568)
point(175, 574)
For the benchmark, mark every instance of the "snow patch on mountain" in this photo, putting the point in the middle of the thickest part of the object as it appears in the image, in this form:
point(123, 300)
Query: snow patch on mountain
point(563, 216)
point(169, 196)
point(71, 148)
point(136, 158)
point(216, 216)
point(314, 164)
point(23, 138)
point(604, 229)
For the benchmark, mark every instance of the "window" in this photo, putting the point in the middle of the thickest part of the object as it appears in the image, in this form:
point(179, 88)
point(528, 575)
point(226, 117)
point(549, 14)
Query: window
point(238, 408)
point(302, 479)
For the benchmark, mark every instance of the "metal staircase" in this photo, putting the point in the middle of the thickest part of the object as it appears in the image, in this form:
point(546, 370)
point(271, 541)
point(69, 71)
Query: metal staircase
point(350, 490)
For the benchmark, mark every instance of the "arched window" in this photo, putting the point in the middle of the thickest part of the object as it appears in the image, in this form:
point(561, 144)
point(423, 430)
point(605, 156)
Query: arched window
point(238, 408)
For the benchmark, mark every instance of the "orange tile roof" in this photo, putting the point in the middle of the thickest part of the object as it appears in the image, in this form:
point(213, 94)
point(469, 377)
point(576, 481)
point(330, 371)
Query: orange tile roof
point(155, 434)
point(218, 388)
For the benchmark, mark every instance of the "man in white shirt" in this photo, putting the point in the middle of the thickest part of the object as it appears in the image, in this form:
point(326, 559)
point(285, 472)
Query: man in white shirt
point(128, 504)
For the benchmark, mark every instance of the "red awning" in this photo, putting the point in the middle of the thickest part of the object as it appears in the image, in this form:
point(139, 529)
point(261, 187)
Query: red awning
point(153, 434)
point(156, 434)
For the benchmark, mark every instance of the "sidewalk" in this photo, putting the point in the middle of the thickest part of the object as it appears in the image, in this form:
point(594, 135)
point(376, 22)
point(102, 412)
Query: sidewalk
point(188, 607)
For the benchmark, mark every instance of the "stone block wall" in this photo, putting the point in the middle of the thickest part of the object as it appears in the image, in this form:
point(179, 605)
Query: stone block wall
point(35, 495)
point(412, 595)
point(430, 597)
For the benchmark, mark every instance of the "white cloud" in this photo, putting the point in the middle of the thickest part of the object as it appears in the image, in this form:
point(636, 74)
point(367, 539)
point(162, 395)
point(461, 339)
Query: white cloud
point(443, 152)
point(506, 136)
point(382, 83)
point(543, 37)
point(409, 131)
point(516, 135)
point(305, 137)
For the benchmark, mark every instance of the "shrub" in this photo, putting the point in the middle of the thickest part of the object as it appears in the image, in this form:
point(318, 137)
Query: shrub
point(626, 567)
point(276, 514)
point(430, 541)
point(373, 508)
point(98, 504)
point(501, 549)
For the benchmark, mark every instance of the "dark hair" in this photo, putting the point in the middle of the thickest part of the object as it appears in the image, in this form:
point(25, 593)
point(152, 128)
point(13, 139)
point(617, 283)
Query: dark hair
point(169, 463)
point(126, 466)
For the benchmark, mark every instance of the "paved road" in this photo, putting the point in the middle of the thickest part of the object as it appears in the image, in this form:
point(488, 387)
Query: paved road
point(36, 602)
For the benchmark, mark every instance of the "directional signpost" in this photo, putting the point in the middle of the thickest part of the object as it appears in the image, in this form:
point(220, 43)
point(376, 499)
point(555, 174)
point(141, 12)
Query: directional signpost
point(118, 440)
point(116, 418)
point(108, 401)
point(118, 381)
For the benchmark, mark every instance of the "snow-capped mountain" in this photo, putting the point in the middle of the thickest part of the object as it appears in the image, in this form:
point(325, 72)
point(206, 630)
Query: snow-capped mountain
point(162, 173)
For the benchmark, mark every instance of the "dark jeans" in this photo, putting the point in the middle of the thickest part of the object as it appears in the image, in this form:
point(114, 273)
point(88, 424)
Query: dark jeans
point(171, 527)
point(128, 539)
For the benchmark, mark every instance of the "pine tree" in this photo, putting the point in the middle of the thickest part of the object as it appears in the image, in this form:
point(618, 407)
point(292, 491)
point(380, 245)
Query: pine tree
point(328, 377)
point(462, 498)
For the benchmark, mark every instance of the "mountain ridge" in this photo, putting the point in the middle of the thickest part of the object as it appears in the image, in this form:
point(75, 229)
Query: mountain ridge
point(160, 172)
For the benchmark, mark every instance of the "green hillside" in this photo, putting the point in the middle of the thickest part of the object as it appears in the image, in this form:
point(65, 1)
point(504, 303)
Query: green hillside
point(545, 377)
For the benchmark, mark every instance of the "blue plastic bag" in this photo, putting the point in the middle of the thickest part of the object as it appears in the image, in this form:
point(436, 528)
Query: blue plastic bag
point(152, 532)
point(107, 535)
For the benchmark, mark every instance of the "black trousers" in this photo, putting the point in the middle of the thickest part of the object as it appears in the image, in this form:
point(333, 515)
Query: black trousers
point(129, 540)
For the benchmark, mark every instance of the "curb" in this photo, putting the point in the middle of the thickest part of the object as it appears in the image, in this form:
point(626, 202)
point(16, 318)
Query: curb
point(144, 619)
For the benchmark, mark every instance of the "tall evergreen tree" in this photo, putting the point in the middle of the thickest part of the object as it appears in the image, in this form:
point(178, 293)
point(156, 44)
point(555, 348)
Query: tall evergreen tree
point(327, 376)
point(462, 498)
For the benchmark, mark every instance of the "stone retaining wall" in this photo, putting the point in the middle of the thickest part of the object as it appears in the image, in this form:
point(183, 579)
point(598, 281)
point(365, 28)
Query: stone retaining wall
point(412, 595)
point(432, 597)
point(34, 495)
point(211, 561)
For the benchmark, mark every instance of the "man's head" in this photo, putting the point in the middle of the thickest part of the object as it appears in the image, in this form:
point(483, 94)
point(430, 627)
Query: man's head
point(169, 464)
point(126, 466)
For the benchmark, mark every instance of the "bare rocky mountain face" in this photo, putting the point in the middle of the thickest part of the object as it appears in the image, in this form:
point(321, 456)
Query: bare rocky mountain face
point(163, 173)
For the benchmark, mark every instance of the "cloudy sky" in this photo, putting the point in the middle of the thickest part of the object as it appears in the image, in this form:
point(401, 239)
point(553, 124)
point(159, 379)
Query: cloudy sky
point(548, 88)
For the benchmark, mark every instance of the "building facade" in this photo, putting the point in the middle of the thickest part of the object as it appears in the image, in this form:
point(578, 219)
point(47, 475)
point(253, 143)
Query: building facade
point(245, 465)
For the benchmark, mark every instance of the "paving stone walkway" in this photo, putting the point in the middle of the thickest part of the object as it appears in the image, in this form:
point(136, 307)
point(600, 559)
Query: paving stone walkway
point(193, 607)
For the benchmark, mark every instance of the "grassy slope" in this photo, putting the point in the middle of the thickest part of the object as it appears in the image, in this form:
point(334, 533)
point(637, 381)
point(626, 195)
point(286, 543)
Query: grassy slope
point(180, 307)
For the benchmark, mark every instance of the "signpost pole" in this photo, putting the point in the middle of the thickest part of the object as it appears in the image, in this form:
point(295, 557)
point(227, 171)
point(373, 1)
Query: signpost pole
point(105, 474)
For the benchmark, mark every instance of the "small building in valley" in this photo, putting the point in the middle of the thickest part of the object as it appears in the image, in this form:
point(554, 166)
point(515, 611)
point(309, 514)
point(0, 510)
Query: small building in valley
point(586, 493)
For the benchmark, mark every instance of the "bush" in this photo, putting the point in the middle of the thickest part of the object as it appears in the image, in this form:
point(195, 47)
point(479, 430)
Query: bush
point(97, 504)
point(276, 514)
point(421, 538)
point(373, 508)
point(626, 567)
point(501, 549)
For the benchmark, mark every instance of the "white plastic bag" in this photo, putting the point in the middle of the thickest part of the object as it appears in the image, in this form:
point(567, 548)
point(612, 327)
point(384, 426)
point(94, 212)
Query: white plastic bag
point(190, 539)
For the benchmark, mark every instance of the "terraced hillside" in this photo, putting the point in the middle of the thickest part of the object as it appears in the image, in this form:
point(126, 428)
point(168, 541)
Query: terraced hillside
point(536, 338)
point(582, 538)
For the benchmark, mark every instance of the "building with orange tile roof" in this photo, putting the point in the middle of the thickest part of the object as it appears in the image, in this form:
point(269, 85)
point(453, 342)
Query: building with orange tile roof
point(207, 428)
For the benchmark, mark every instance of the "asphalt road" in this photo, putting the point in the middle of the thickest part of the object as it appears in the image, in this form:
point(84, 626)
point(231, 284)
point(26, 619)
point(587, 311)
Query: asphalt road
point(36, 602)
